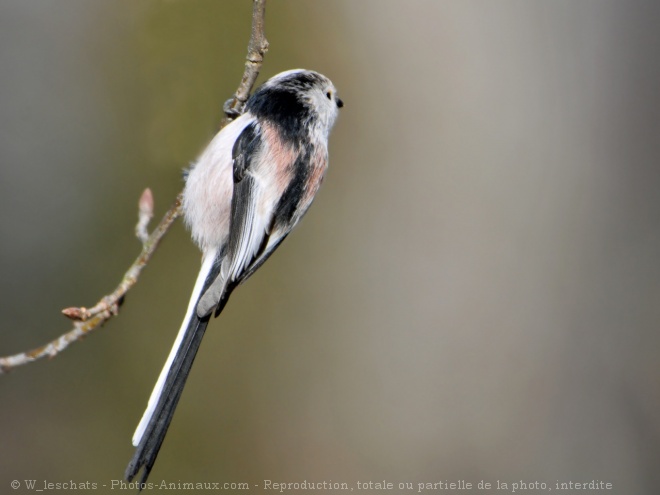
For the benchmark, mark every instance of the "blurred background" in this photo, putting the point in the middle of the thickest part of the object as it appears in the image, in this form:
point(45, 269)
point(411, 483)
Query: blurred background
point(474, 294)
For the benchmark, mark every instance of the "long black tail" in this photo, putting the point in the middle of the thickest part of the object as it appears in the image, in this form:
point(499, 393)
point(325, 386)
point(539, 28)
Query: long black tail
point(152, 438)
point(148, 439)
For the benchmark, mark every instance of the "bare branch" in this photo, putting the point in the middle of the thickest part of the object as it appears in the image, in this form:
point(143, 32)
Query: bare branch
point(257, 48)
point(88, 319)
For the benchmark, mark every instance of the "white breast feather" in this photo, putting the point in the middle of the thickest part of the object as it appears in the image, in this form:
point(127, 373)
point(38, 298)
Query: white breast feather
point(209, 187)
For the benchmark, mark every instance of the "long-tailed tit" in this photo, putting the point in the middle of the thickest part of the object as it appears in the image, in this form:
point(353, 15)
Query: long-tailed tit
point(249, 188)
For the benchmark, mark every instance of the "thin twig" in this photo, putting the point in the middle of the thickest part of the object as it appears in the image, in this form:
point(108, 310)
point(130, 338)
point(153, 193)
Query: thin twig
point(257, 48)
point(88, 319)
point(111, 302)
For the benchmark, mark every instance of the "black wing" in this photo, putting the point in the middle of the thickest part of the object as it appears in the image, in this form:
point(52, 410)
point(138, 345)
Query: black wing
point(248, 229)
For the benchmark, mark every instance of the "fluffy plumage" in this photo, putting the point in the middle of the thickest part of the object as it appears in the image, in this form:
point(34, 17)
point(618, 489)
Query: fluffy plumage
point(247, 191)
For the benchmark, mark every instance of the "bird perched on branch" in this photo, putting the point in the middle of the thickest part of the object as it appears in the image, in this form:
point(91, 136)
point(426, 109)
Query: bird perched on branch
point(248, 190)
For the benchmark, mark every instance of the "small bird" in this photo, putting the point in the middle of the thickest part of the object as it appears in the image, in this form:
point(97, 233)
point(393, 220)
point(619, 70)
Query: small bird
point(247, 191)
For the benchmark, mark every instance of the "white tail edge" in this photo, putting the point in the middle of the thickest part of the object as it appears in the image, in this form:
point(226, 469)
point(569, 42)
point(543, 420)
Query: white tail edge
point(207, 264)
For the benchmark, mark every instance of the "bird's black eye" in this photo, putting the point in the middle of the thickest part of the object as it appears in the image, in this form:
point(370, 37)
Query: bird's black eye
point(329, 95)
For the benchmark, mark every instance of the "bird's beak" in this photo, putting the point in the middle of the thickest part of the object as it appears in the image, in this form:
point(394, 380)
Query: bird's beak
point(339, 103)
